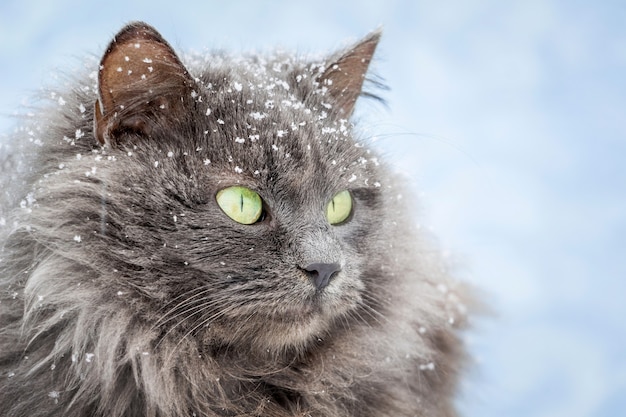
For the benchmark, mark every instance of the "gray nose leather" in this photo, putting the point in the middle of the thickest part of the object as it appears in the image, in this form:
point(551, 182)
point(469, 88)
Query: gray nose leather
point(322, 273)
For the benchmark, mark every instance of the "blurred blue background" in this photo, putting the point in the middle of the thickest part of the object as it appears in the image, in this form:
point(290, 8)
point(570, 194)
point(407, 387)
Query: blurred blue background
point(509, 117)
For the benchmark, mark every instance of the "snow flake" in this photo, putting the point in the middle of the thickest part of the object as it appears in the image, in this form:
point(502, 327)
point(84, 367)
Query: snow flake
point(156, 164)
point(258, 116)
point(79, 134)
point(239, 140)
point(61, 101)
point(427, 367)
point(81, 108)
point(352, 178)
point(237, 86)
point(77, 238)
point(238, 170)
point(170, 154)
point(89, 357)
point(55, 396)
point(207, 161)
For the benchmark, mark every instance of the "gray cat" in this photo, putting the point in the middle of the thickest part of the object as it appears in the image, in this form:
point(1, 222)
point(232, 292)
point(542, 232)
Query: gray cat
point(210, 239)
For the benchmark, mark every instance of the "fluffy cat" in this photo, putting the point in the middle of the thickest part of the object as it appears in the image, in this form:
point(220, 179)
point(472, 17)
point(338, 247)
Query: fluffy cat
point(213, 239)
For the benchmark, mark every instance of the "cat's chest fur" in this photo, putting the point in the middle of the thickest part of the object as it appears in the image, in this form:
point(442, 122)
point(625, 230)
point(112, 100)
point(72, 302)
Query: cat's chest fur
point(214, 239)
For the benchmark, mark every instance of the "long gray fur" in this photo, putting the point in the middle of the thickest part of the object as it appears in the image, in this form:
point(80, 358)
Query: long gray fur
point(125, 291)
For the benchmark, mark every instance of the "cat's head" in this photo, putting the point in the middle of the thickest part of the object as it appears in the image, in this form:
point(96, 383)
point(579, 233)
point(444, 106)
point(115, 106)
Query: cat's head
point(228, 200)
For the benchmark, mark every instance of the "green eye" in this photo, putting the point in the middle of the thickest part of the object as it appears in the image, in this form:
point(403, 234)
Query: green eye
point(240, 204)
point(339, 208)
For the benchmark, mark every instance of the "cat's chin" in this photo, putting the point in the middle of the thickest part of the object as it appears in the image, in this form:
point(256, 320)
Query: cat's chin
point(294, 329)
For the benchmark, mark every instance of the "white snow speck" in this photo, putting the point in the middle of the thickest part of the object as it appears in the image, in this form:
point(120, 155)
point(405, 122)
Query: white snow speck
point(427, 367)
point(55, 396)
point(208, 111)
point(238, 170)
point(77, 238)
point(257, 115)
point(207, 161)
point(89, 357)
point(170, 154)
point(281, 133)
point(237, 86)
point(220, 121)
point(156, 164)
point(239, 140)
point(81, 108)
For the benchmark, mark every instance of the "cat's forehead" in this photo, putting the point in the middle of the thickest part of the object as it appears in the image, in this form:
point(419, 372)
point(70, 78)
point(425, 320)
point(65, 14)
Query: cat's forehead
point(269, 118)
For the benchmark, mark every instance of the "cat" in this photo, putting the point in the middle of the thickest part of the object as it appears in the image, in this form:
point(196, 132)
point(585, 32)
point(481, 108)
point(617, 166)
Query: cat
point(213, 238)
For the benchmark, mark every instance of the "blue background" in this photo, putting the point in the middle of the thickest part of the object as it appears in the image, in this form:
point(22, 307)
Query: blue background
point(509, 119)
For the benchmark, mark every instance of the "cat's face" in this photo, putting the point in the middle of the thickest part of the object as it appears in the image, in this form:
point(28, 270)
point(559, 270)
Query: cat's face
point(237, 207)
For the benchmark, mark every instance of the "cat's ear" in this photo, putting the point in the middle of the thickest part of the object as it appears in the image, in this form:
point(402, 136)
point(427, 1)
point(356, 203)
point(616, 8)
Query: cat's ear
point(343, 78)
point(141, 82)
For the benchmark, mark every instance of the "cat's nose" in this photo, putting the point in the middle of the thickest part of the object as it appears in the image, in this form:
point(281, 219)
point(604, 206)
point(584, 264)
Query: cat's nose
point(322, 273)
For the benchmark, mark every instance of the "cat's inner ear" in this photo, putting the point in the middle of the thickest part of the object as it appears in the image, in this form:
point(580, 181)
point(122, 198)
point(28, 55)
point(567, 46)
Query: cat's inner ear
point(343, 78)
point(141, 82)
